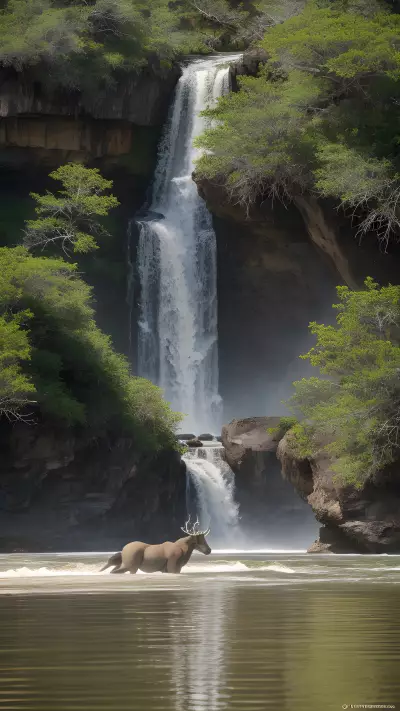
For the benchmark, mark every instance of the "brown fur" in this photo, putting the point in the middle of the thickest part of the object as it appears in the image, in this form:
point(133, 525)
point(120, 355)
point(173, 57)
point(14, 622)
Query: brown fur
point(165, 557)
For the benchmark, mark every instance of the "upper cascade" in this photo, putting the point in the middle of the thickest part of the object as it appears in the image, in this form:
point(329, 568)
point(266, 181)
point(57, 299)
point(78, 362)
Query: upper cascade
point(177, 264)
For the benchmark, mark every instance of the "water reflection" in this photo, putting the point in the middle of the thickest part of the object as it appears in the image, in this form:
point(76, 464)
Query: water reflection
point(198, 649)
point(208, 642)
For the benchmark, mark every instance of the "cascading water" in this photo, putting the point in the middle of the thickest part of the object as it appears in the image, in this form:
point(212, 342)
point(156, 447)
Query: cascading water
point(177, 266)
point(178, 340)
point(210, 493)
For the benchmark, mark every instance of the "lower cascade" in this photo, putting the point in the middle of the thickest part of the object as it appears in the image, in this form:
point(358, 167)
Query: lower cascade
point(210, 492)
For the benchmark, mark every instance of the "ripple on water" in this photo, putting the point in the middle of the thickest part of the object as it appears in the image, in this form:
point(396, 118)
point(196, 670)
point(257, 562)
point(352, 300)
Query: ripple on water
point(228, 635)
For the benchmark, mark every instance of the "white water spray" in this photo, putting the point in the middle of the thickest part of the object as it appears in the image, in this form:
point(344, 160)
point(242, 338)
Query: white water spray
point(178, 340)
point(210, 482)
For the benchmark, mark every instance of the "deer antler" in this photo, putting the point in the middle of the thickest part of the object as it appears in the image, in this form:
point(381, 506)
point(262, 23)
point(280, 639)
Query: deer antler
point(194, 529)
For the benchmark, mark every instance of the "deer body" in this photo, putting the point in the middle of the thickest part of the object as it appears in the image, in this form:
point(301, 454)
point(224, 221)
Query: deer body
point(165, 557)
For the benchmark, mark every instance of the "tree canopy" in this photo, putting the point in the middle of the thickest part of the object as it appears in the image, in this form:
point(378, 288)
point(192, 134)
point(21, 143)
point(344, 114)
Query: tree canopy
point(321, 116)
point(354, 412)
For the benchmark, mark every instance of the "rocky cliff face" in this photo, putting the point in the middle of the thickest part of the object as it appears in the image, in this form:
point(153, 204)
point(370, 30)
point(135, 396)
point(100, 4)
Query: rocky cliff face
point(39, 119)
point(271, 512)
point(63, 491)
point(278, 267)
point(283, 497)
point(138, 98)
point(363, 520)
point(271, 283)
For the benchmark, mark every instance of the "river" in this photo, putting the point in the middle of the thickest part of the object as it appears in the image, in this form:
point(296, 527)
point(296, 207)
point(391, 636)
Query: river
point(236, 631)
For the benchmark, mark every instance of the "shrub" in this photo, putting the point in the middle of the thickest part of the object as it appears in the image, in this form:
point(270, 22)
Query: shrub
point(321, 116)
point(78, 377)
point(354, 413)
point(285, 424)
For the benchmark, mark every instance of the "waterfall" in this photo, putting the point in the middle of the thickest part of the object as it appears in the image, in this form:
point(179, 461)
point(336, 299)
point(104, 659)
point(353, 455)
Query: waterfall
point(177, 266)
point(210, 493)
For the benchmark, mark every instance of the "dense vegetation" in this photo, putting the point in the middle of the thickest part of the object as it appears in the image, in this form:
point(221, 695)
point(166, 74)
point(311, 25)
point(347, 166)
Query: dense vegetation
point(55, 363)
point(82, 43)
point(322, 116)
point(86, 44)
point(354, 412)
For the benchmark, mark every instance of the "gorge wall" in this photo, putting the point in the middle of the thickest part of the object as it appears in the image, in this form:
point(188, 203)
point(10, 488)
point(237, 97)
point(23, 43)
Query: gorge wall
point(278, 267)
point(272, 514)
point(277, 270)
point(73, 492)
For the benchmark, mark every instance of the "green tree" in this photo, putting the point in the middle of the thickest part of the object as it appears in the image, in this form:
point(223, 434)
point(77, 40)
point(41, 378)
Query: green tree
point(355, 410)
point(16, 387)
point(71, 217)
point(321, 116)
point(50, 345)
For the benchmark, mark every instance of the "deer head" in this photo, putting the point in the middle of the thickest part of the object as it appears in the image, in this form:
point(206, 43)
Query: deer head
point(199, 537)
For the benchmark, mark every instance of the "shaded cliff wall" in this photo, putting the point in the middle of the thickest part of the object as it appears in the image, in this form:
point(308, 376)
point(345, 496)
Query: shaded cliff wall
point(278, 267)
point(271, 283)
point(62, 490)
point(271, 512)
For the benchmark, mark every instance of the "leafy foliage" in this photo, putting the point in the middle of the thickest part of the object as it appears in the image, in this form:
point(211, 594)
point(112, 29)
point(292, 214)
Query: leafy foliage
point(261, 143)
point(71, 217)
point(15, 386)
point(86, 44)
point(321, 116)
point(356, 410)
point(285, 424)
point(59, 353)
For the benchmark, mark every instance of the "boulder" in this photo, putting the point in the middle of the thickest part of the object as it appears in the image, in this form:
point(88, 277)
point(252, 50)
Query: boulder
point(332, 540)
point(185, 437)
point(270, 509)
point(242, 438)
point(207, 437)
point(194, 442)
point(365, 520)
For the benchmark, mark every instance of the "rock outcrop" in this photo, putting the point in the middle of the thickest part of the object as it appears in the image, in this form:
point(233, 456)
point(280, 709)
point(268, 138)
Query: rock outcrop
point(51, 126)
point(138, 98)
point(365, 520)
point(270, 510)
point(63, 491)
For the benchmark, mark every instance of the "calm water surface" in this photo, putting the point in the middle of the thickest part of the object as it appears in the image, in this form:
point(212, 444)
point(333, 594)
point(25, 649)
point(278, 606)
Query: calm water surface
point(247, 632)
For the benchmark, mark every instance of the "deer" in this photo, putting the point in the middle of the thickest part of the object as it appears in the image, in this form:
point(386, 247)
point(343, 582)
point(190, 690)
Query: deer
point(165, 557)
